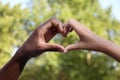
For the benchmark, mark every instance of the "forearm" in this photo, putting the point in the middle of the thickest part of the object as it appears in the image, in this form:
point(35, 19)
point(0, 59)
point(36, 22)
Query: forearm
point(110, 49)
point(13, 69)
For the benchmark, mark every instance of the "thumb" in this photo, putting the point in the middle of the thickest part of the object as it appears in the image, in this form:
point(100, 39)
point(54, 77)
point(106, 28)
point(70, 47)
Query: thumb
point(75, 46)
point(54, 47)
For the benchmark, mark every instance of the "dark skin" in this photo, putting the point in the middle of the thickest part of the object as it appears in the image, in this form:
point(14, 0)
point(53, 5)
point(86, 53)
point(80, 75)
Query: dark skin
point(35, 45)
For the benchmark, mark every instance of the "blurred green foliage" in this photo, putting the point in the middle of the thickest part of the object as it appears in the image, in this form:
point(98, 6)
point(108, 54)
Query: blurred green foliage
point(16, 24)
point(12, 32)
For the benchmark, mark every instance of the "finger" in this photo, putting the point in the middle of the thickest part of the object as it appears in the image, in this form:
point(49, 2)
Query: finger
point(65, 32)
point(76, 46)
point(54, 47)
point(67, 29)
point(60, 28)
point(75, 25)
point(71, 29)
point(57, 24)
point(54, 22)
point(71, 47)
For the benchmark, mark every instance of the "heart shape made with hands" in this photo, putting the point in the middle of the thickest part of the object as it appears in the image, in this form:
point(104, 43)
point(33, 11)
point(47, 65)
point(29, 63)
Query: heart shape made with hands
point(86, 39)
point(60, 48)
point(37, 43)
point(67, 30)
point(63, 30)
point(53, 26)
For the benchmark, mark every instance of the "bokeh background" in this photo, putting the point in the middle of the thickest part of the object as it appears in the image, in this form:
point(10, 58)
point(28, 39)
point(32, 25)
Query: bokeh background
point(18, 18)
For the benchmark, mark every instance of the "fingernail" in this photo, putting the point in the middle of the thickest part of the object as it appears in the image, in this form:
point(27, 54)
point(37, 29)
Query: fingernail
point(65, 51)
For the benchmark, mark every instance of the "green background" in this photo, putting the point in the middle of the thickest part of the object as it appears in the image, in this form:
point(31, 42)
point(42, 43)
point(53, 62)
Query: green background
point(16, 24)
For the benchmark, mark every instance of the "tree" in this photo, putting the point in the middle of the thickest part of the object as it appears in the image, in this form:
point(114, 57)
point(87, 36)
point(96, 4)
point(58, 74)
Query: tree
point(16, 24)
point(12, 30)
point(75, 65)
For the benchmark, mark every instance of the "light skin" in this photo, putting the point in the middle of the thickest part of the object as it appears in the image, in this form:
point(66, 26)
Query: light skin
point(35, 45)
point(90, 41)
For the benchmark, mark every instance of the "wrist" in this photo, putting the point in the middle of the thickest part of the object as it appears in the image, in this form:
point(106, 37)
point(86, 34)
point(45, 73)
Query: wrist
point(101, 44)
point(105, 46)
point(20, 56)
point(111, 49)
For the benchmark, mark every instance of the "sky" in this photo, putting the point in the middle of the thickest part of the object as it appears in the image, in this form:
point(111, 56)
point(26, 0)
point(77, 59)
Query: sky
point(115, 7)
point(104, 3)
point(13, 2)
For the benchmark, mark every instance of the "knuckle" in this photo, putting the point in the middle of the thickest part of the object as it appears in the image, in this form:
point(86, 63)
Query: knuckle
point(53, 19)
point(55, 23)
point(71, 21)
point(54, 46)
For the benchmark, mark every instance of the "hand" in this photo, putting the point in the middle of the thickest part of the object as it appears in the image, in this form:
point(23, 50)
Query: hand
point(34, 46)
point(37, 43)
point(88, 39)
